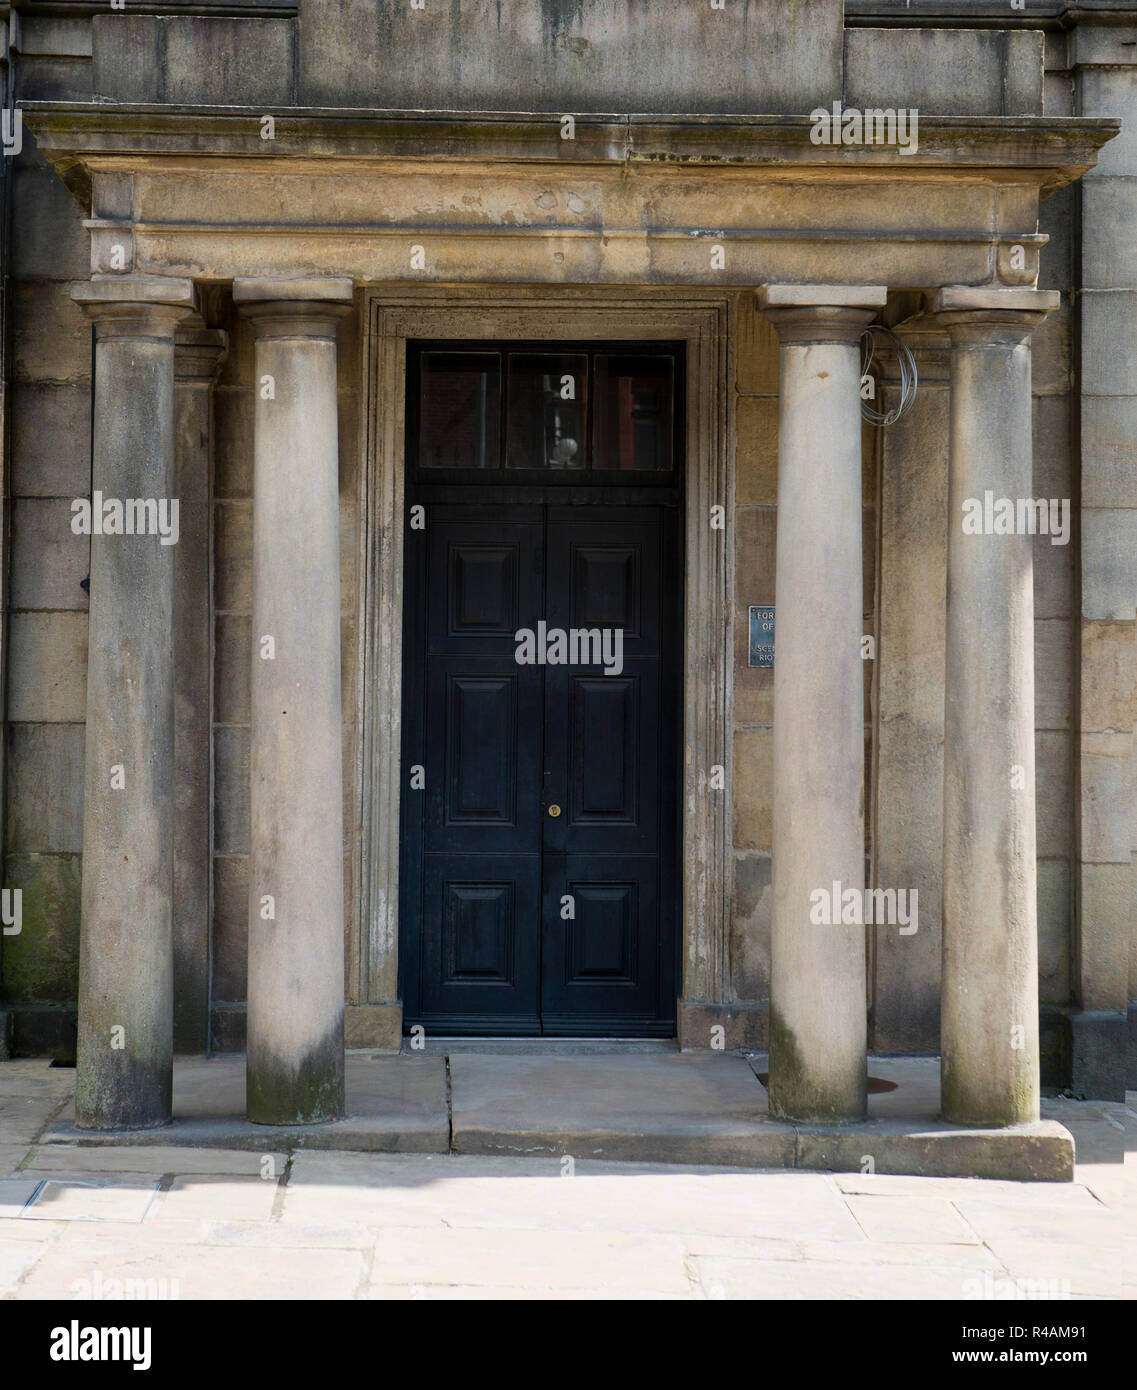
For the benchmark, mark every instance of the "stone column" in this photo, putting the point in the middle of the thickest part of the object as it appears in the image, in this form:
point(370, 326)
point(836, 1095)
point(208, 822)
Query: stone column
point(296, 910)
point(198, 355)
point(818, 1017)
point(989, 1029)
point(125, 1045)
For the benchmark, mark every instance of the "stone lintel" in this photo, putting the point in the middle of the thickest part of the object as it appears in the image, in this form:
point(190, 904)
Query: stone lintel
point(316, 290)
point(1019, 299)
point(134, 289)
point(822, 296)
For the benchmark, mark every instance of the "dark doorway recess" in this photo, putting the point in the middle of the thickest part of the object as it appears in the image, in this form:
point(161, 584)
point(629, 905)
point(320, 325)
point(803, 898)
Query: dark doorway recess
point(540, 843)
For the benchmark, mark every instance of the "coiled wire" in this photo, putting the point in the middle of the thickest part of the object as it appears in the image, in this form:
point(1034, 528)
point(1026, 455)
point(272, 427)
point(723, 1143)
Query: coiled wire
point(908, 378)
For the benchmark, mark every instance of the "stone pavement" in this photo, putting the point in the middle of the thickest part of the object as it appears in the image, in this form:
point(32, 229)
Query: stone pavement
point(189, 1222)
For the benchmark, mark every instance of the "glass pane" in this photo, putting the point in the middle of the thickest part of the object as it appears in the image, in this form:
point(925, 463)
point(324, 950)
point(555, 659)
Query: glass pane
point(459, 410)
point(547, 402)
point(634, 412)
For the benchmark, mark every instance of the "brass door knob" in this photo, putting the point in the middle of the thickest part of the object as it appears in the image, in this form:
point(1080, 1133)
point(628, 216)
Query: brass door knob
point(554, 810)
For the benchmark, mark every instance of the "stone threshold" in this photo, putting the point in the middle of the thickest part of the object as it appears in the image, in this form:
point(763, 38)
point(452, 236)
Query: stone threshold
point(639, 1107)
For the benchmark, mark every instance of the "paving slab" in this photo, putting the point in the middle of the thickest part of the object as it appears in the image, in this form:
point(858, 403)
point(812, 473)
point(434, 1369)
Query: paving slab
point(11, 1156)
point(23, 1117)
point(537, 1194)
point(193, 1271)
point(910, 1219)
point(538, 1259)
point(394, 1104)
point(784, 1279)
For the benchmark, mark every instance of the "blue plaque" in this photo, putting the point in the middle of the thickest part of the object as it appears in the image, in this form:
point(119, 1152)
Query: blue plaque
point(761, 636)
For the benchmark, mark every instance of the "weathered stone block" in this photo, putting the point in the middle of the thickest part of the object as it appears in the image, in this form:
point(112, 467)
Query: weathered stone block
point(1055, 660)
point(41, 964)
point(1108, 677)
point(944, 72)
point(377, 1027)
point(231, 789)
point(51, 334)
point(49, 241)
point(228, 61)
point(1050, 353)
point(1097, 1060)
point(1057, 218)
point(232, 668)
point(755, 538)
point(233, 409)
point(1023, 66)
point(1111, 92)
point(230, 928)
point(1107, 779)
point(750, 917)
point(48, 36)
point(1109, 210)
point(599, 55)
point(1109, 451)
point(51, 440)
point(45, 788)
point(1109, 562)
point(1054, 570)
point(1109, 324)
point(233, 557)
point(753, 789)
point(55, 79)
point(1107, 899)
point(1052, 447)
point(1054, 931)
point(49, 561)
point(47, 667)
point(126, 57)
point(757, 365)
point(1054, 787)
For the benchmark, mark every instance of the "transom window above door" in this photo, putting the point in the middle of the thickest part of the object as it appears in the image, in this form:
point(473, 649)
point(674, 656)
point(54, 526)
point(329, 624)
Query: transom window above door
point(567, 410)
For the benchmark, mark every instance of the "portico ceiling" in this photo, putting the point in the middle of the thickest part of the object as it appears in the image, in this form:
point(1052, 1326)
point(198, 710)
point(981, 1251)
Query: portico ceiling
point(497, 197)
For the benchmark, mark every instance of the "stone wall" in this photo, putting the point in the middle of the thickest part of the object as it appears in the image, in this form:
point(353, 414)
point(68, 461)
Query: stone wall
point(49, 382)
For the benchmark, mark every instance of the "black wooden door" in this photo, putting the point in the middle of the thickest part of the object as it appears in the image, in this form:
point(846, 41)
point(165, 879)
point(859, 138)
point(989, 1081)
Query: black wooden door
point(539, 874)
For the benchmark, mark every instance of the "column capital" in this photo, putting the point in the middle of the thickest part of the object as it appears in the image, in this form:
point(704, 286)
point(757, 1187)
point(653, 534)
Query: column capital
point(198, 351)
point(135, 306)
point(989, 314)
point(301, 308)
point(821, 313)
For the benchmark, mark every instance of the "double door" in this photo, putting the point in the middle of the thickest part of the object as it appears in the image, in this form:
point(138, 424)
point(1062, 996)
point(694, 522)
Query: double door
point(540, 855)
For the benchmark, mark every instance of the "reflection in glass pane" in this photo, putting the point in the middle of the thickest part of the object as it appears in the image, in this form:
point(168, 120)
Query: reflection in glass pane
point(459, 410)
point(547, 402)
point(633, 412)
